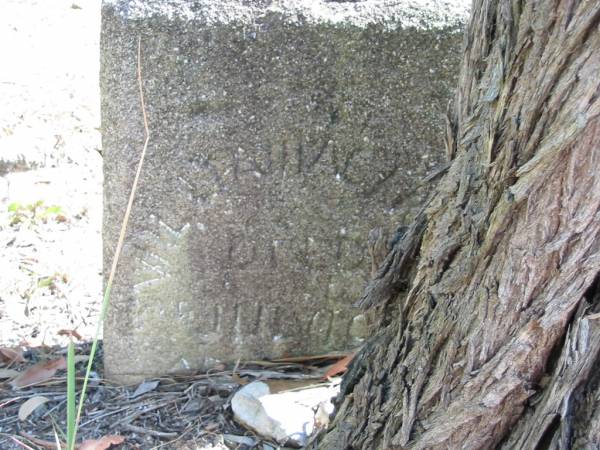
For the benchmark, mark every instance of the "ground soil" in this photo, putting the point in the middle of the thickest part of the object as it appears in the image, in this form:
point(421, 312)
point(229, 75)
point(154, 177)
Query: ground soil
point(49, 157)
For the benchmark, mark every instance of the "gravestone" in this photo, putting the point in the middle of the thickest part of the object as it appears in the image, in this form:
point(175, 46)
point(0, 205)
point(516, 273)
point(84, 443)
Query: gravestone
point(281, 132)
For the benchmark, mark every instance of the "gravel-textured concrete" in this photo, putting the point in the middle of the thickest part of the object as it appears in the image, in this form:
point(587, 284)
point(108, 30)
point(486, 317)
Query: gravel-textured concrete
point(282, 131)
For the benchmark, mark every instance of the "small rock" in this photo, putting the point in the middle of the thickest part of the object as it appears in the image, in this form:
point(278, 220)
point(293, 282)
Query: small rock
point(246, 440)
point(286, 417)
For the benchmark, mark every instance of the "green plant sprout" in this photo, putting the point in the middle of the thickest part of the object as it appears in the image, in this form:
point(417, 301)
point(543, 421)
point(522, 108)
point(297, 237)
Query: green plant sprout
point(33, 213)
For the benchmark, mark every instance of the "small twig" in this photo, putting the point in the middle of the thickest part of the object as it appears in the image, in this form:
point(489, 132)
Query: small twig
point(9, 420)
point(177, 438)
point(119, 247)
point(103, 415)
point(22, 444)
point(40, 442)
point(55, 407)
point(10, 400)
point(137, 414)
point(158, 434)
point(16, 441)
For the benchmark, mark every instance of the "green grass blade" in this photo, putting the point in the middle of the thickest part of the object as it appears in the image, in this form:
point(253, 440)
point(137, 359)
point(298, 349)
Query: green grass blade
point(113, 269)
point(71, 396)
point(56, 438)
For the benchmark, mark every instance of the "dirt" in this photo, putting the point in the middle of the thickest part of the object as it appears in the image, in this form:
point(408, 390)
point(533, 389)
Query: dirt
point(51, 166)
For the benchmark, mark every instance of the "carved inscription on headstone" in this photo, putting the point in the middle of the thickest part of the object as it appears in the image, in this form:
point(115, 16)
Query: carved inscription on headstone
point(279, 137)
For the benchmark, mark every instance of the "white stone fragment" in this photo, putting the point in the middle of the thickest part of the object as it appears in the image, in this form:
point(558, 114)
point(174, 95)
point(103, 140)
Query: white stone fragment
point(286, 417)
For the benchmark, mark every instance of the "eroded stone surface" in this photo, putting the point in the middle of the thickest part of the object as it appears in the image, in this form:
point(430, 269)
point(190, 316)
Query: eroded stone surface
point(279, 137)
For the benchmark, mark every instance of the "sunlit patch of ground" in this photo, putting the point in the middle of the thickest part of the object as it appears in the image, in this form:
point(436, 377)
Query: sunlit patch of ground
point(50, 170)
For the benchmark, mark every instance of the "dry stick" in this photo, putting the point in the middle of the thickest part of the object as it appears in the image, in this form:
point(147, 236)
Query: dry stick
point(113, 269)
point(130, 418)
point(179, 437)
point(158, 434)
point(39, 442)
point(18, 442)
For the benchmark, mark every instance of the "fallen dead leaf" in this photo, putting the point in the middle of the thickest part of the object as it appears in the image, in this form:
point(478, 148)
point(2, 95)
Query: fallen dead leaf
point(102, 443)
point(239, 380)
point(211, 426)
point(311, 358)
point(10, 355)
point(145, 387)
point(72, 333)
point(39, 373)
point(30, 405)
point(339, 367)
point(8, 373)
point(277, 386)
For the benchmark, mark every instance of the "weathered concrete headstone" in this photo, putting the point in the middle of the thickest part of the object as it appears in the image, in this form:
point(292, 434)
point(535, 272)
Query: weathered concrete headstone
point(281, 132)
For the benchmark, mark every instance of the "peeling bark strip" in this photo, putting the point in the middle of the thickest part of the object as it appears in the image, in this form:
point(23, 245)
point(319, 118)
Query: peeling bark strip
point(490, 336)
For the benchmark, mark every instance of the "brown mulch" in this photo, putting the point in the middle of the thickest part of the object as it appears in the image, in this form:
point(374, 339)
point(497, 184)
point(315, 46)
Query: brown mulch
point(186, 411)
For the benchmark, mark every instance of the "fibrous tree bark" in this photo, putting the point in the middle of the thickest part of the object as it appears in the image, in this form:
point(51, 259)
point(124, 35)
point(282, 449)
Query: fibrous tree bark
point(489, 331)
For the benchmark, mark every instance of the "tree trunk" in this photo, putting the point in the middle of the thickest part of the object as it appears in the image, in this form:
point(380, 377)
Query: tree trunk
point(489, 331)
